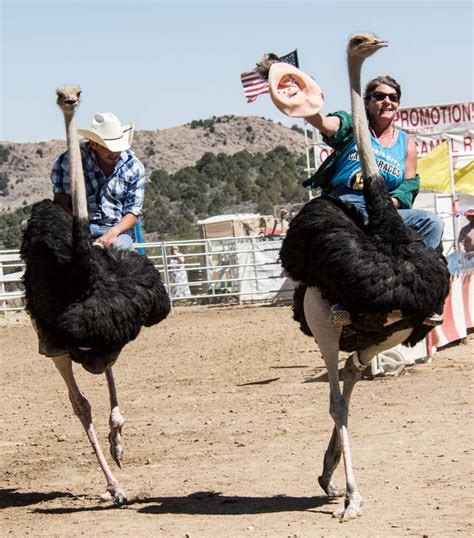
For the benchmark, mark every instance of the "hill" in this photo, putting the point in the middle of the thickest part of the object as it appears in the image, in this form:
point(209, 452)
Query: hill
point(208, 167)
point(25, 167)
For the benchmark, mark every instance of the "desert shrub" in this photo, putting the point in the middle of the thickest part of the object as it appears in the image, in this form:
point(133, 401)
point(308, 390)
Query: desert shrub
point(297, 129)
point(3, 184)
point(4, 153)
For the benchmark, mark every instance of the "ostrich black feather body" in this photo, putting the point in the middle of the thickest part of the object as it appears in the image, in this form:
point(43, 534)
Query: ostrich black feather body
point(84, 296)
point(370, 268)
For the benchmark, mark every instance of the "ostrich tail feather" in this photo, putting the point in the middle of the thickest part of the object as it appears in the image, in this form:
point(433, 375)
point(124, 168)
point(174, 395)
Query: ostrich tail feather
point(81, 295)
point(298, 309)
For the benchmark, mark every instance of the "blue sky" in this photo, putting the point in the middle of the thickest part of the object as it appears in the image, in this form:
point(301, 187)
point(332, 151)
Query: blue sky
point(162, 64)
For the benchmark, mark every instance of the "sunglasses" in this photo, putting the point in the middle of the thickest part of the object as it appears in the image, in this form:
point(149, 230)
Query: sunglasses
point(380, 96)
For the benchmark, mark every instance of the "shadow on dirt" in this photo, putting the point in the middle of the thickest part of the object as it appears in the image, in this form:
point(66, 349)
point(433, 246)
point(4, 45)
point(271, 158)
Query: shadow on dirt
point(212, 503)
point(206, 503)
point(12, 497)
point(262, 382)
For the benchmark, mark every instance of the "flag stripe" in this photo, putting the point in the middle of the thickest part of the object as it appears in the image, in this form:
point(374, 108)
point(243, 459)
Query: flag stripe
point(257, 93)
point(254, 84)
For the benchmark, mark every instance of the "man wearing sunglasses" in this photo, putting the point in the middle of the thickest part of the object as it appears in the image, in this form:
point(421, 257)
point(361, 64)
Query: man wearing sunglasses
point(395, 152)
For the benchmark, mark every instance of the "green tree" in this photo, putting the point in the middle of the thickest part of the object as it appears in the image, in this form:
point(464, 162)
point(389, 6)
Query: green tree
point(3, 184)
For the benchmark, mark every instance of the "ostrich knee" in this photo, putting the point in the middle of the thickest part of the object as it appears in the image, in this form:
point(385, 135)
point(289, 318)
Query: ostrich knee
point(351, 374)
point(82, 408)
point(116, 420)
point(338, 410)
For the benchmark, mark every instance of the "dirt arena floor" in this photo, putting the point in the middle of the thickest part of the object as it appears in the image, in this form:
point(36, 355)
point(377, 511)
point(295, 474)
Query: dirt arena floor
point(227, 423)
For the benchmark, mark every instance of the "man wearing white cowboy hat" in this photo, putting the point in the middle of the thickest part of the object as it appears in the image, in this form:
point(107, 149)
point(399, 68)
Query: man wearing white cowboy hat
point(114, 177)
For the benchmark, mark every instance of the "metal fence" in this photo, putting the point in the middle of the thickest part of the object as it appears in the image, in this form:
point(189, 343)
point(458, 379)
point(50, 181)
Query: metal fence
point(11, 288)
point(234, 269)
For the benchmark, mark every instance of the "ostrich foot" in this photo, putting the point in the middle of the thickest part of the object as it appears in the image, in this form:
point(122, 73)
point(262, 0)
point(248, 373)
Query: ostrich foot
point(351, 508)
point(330, 489)
point(116, 450)
point(115, 493)
point(116, 421)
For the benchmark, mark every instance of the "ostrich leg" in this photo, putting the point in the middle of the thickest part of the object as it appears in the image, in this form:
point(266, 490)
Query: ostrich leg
point(317, 315)
point(82, 409)
point(353, 369)
point(116, 420)
point(316, 311)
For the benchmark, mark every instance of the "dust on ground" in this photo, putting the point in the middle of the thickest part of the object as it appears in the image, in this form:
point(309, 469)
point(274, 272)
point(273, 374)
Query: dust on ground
point(226, 425)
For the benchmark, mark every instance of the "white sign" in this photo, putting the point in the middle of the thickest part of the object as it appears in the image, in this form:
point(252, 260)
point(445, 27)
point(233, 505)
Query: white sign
point(429, 126)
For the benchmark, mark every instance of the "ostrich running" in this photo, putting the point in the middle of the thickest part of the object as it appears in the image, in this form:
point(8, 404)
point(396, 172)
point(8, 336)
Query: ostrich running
point(86, 302)
point(379, 271)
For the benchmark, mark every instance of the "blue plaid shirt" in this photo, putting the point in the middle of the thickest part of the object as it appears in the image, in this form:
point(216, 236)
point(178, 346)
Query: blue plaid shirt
point(108, 199)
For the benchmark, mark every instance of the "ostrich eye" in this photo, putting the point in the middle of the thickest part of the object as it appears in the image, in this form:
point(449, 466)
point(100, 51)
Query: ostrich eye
point(357, 41)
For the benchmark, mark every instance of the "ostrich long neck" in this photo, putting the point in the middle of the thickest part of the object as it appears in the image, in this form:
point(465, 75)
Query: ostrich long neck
point(76, 173)
point(378, 202)
point(361, 127)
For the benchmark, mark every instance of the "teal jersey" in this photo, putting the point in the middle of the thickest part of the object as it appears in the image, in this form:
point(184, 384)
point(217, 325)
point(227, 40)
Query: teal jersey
point(347, 178)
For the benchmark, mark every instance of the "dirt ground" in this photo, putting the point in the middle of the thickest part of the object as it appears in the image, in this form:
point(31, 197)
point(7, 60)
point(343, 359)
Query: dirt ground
point(227, 423)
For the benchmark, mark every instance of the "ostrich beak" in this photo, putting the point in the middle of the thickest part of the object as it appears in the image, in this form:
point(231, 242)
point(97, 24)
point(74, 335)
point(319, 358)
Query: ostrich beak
point(377, 44)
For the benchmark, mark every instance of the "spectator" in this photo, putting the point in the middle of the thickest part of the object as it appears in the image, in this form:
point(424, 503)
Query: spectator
point(466, 235)
point(178, 273)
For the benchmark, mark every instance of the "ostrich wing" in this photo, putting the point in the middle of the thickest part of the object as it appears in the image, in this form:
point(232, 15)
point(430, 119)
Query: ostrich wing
point(352, 265)
point(99, 302)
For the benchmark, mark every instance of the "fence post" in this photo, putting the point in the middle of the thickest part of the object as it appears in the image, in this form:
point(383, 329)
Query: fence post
point(4, 302)
point(254, 257)
point(166, 273)
point(210, 267)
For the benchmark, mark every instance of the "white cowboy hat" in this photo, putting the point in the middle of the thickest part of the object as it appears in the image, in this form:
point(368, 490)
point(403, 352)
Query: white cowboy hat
point(107, 131)
point(294, 92)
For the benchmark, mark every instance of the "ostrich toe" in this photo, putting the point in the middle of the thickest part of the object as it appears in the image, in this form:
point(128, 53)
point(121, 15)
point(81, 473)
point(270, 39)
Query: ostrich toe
point(330, 489)
point(116, 422)
point(116, 450)
point(119, 497)
point(351, 508)
point(115, 493)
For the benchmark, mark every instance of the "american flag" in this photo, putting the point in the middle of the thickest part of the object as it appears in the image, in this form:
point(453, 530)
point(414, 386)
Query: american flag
point(291, 58)
point(255, 84)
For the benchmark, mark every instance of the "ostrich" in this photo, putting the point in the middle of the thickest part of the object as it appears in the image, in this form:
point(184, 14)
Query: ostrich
point(378, 271)
point(86, 302)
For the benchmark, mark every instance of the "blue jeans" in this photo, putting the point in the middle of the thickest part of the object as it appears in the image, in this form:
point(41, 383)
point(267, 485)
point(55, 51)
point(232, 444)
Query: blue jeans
point(426, 224)
point(123, 242)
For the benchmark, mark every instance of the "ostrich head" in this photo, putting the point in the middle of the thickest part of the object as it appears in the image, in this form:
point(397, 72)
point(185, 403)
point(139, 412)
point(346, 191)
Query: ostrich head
point(68, 98)
point(364, 45)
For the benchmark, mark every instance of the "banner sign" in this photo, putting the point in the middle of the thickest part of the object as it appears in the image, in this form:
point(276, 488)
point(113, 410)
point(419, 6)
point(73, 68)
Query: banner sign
point(429, 126)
